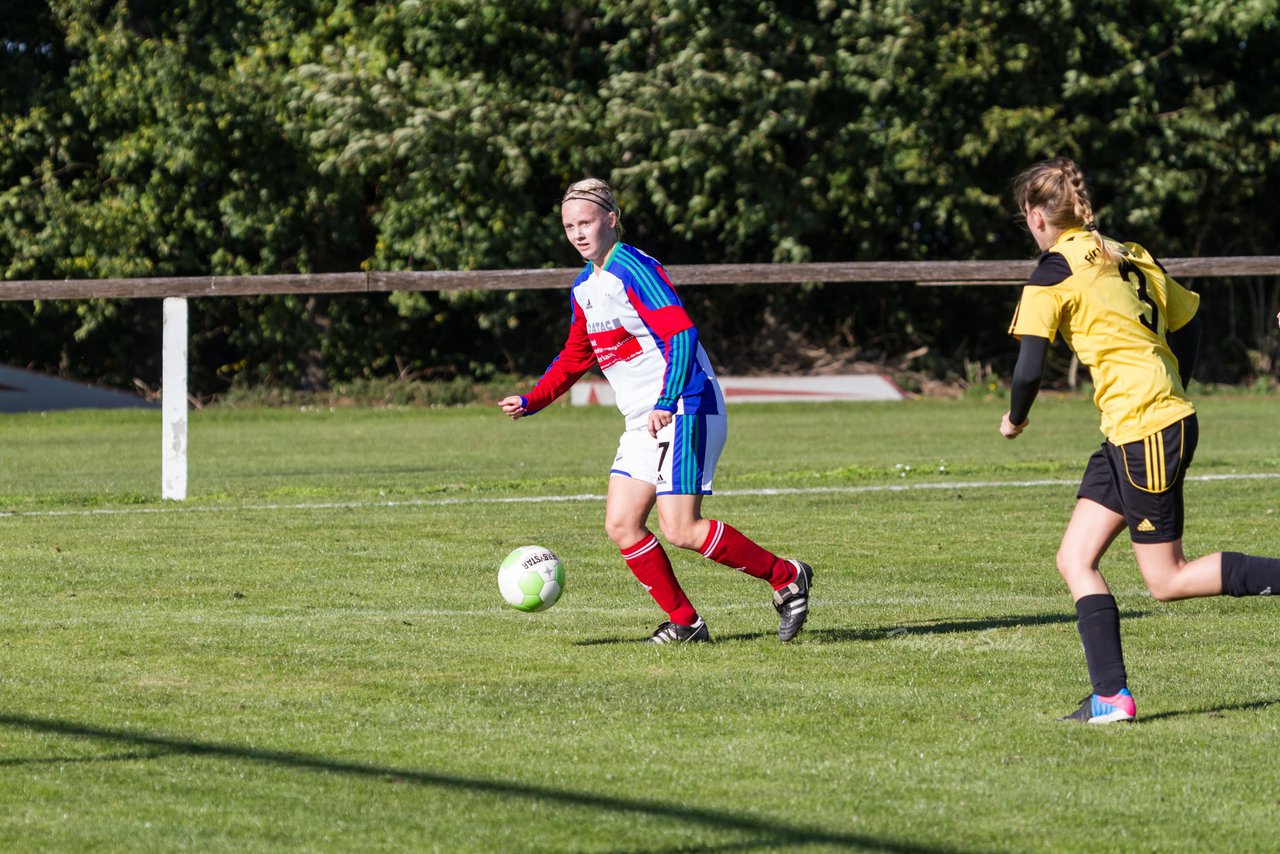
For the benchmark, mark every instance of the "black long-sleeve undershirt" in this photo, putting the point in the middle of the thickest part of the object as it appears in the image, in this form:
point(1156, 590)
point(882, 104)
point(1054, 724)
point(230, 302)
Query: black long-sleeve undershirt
point(1185, 344)
point(1027, 374)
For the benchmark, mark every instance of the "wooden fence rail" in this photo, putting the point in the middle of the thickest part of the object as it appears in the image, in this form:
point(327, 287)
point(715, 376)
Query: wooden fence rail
point(920, 272)
point(176, 291)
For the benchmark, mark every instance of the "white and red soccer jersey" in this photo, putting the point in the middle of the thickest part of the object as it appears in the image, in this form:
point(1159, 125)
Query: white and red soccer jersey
point(628, 319)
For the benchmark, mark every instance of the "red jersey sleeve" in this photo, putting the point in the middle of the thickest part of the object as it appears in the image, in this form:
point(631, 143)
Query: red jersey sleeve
point(575, 359)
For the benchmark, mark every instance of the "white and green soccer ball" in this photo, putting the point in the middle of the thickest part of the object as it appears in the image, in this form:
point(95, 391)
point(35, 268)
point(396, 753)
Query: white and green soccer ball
point(531, 578)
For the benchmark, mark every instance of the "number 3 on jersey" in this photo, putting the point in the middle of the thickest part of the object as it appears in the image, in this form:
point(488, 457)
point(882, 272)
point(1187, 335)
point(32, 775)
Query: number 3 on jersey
point(1150, 316)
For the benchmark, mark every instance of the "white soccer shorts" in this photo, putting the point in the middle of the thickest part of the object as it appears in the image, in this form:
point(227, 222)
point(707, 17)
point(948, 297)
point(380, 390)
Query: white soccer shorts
point(680, 461)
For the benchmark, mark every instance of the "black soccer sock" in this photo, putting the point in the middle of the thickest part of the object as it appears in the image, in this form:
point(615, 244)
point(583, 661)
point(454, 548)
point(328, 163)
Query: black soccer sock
point(1245, 575)
point(1098, 619)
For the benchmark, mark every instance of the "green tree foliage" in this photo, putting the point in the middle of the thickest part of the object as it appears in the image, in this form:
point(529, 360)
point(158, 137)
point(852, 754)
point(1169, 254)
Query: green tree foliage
point(191, 138)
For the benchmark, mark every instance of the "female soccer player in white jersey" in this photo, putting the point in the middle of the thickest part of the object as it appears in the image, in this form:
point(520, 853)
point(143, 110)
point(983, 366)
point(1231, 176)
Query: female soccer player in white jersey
point(628, 319)
point(1137, 331)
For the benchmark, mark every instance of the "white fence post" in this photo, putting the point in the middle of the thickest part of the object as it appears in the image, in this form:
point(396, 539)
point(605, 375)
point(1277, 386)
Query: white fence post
point(173, 396)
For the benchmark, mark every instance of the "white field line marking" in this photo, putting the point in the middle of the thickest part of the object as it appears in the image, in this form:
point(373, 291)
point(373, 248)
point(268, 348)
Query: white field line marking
point(551, 499)
point(554, 499)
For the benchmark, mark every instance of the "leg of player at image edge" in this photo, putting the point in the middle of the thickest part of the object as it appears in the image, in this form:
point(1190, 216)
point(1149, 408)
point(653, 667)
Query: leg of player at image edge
point(1099, 625)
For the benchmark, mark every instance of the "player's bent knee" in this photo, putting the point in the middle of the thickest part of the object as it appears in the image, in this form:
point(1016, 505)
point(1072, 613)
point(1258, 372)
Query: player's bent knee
point(623, 534)
point(682, 537)
point(1078, 575)
point(1165, 584)
point(681, 541)
point(1166, 589)
point(1068, 567)
point(1163, 595)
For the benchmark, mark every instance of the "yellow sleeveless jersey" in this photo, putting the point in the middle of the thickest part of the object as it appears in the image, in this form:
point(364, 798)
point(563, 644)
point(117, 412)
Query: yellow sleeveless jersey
point(1115, 319)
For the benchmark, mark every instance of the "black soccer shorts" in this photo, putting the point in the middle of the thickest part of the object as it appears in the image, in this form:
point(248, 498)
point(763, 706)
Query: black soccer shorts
point(1142, 480)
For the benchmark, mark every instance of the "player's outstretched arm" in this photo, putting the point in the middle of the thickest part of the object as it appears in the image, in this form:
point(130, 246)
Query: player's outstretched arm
point(513, 407)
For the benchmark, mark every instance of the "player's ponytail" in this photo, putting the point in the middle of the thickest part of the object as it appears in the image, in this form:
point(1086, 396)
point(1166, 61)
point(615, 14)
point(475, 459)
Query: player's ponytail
point(598, 192)
point(1057, 187)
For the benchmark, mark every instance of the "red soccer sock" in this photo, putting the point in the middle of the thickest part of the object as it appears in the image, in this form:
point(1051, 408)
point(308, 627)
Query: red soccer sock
point(726, 545)
point(650, 564)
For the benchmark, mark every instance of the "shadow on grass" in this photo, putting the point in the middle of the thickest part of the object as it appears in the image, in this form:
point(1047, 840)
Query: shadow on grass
point(766, 834)
point(946, 627)
point(1212, 710)
point(846, 635)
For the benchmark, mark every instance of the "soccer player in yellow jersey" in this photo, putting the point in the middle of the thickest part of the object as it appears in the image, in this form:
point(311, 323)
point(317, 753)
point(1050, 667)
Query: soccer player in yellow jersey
point(1136, 330)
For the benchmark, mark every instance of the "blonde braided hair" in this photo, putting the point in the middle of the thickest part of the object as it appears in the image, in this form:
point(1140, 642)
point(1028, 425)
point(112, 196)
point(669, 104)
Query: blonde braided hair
point(1057, 187)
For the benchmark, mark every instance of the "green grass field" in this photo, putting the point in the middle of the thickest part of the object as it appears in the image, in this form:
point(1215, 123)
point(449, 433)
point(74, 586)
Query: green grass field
point(311, 654)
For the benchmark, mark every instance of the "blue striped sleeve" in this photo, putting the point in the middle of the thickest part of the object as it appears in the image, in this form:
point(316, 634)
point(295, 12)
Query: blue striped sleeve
point(680, 362)
point(651, 285)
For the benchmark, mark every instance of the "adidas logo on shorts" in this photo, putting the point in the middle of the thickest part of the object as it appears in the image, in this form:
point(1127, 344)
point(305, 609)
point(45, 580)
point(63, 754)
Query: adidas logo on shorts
point(1146, 527)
